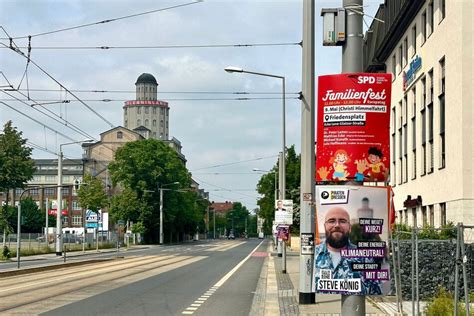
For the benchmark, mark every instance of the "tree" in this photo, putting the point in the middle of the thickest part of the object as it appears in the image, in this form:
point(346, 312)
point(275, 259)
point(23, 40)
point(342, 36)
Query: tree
point(143, 167)
point(91, 195)
point(266, 187)
point(16, 166)
point(236, 218)
point(32, 217)
point(125, 206)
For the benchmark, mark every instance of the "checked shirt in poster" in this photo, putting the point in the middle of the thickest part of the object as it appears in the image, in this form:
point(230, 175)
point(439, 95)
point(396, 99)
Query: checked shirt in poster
point(352, 255)
point(353, 127)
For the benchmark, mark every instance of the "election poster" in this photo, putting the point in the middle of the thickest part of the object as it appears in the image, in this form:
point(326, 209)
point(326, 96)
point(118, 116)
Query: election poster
point(353, 127)
point(284, 212)
point(352, 255)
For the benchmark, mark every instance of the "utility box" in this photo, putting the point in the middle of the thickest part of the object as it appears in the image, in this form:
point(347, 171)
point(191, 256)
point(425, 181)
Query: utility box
point(334, 26)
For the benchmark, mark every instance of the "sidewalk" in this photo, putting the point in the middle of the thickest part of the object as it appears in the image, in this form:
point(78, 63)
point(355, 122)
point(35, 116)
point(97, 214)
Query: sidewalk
point(277, 293)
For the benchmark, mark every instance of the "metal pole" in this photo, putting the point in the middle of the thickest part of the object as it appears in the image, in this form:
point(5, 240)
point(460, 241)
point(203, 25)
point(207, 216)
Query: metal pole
point(399, 290)
point(456, 269)
point(47, 224)
point(214, 223)
point(283, 160)
point(84, 233)
point(352, 62)
point(207, 223)
point(284, 257)
point(59, 245)
point(306, 294)
point(464, 270)
point(18, 235)
point(161, 216)
point(417, 274)
point(413, 271)
point(280, 197)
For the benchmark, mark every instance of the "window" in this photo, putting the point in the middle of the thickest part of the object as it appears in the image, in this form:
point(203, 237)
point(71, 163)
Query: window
point(49, 191)
point(413, 40)
point(430, 89)
point(423, 140)
point(423, 92)
point(413, 138)
point(442, 212)
point(423, 27)
point(126, 123)
point(146, 122)
point(119, 135)
point(394, 160)
point(413, 104)
point(51, 179)
point(154, 110)
point(77, 220)
point(405, 51)
point(33, 192)
point(154, 134)
point(36, 179)
point(400, 154)
point(424, 215)
point(400, 217)
point(394, 66)
point(430, 18)
point(442, 82)
point(430, 137)
point(442, 137)
point(147, 110)
point(139, 110)
point(75, 205)
point(65, 191)
point(400, 58)
point(442, 10)
point(139, 122)
point(406, 217)
point(405, 153)
point(162, 111)
point(431, 215)
point(154, 122)
point(413, 214)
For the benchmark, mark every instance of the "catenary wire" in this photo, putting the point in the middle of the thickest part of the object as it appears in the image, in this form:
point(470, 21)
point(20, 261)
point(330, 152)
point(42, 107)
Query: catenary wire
point(105, 21)
point(234, 163)
point(161, 92)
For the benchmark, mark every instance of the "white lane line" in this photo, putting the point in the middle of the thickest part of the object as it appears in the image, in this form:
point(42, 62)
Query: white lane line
point(187, 313)
point(197, 303)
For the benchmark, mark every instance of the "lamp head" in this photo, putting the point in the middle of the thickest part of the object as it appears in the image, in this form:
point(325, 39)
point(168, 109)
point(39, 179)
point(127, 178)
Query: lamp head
point(233, 69)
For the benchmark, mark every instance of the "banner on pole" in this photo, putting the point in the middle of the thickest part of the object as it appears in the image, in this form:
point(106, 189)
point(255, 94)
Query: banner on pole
point(352, 256)
point(284, 212)
point(353, 127)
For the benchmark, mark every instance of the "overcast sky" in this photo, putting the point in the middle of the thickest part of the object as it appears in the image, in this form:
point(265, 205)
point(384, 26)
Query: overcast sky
point(212, 132)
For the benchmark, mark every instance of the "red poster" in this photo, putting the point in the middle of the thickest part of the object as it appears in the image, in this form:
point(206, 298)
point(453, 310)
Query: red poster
point(353, 127)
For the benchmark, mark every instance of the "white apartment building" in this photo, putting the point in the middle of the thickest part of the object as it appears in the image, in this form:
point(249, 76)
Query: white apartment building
point(427, 45)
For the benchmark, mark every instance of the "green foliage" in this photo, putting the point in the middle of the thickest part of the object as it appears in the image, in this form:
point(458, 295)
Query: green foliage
point(16, 166)
point(138, 228)
point(6, 253)
point(237, 216)
point(448, 231)
point(91, 195)
point(33, 218)
point(443, 305)
point(141, 168)
point(266, 187)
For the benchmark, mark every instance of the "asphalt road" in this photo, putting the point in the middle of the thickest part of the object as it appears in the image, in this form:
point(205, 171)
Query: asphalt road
point(205, 278)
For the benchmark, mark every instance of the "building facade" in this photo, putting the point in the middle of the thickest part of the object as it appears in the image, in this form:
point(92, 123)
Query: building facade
point(147, 110)
point(427, 47)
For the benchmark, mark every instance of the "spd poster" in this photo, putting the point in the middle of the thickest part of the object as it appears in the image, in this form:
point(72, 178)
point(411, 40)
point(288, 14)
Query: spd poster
point(353, 127)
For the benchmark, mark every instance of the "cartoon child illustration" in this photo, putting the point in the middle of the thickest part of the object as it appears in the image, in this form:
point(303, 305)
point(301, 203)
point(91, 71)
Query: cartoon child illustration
point(375, 164)
point(339, 164)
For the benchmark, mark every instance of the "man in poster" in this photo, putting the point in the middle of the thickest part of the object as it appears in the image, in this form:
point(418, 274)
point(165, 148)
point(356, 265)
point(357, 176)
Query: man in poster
point(330, 263)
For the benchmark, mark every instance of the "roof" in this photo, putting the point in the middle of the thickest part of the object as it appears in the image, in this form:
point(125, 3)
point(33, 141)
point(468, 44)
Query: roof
point(222, 207)
point(146, 78)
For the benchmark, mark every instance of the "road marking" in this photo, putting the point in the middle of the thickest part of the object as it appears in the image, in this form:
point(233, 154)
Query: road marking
point(219, 283)
point(187, 313)
point(195, 305)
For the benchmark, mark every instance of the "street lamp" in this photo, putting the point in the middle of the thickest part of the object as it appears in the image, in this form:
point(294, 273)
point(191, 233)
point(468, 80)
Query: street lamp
point(161, 208)
point(282, 169)
point(59, 240)
point(267, 171)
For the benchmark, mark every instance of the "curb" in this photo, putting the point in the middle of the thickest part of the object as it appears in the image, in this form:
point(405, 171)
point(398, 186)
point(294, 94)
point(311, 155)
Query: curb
point(9, 273)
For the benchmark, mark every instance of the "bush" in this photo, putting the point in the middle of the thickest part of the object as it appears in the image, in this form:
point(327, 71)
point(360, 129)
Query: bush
point(443, 305)
point(6, 253)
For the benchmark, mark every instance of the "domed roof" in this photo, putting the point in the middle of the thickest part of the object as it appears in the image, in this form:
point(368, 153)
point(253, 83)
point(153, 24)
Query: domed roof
point(146, 78)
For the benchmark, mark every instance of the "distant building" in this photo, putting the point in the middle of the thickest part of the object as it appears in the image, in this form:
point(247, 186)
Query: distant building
point(147, 110)
point(426, 45)
point(221, 208)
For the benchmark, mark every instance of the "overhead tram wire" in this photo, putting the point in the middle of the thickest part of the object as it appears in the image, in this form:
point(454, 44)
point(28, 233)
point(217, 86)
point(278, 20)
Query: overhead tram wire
point(226, 189)
point(104, 21)
point(104, 47)
point(161, 92)
point(234, 163)
point(19, 52)
point(38, 122)
point(166, 99)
